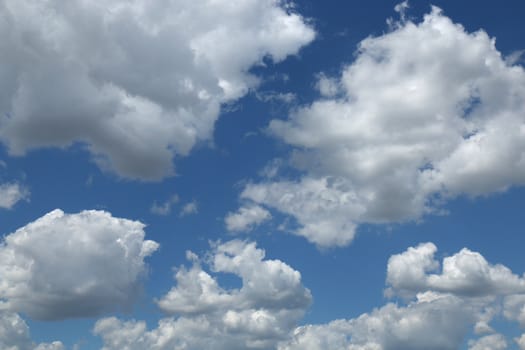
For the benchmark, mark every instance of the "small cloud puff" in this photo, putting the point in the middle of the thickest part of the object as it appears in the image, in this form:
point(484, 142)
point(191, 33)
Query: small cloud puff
point(246, 218)
point(12, 193)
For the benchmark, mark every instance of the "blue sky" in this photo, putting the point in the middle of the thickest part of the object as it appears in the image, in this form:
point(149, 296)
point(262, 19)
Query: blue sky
point(262, 174)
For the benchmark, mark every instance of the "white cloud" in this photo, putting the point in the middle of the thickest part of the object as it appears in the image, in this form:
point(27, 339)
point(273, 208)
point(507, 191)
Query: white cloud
point(489, 342)
point(12, 193)
point(319, 205)
point(435, 325)
point(246, 218)
point(514, 308)
point(14, 335)
point(257, 315)
point(73, 265)
point(143, 81)
point(165, 207)
point(189, 208)
point(425, 113)
point(441, 309)
point(465, 273)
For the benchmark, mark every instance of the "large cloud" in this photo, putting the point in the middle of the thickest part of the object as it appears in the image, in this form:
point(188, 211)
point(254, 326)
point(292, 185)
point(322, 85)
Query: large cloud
point(440, 312)
point(14, 335)
point(137, 81)
point(258, 315)
point(426, 112)
point(73, 265)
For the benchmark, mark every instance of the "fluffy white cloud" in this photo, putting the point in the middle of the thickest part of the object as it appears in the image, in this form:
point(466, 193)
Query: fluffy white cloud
point(260, 313)
point(246, 218)
point(440, 324)
point(489, 342)
point(73, 265)
point(136, 81)
point(440, 312)
point(465, 273)
point(424, 113)
point(12, 193)
point(14, 335)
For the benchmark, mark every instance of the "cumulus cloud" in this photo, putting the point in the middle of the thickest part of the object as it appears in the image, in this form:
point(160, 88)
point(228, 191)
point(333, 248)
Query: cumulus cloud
point(435, 325)
point(440, 311)
point(246, 218)
point(426, 112)
point(14, 335)
point(466, 273)
point(136, 82)
point(489, 342)
point(12, 193)
point(257, 315)
point(73, 265)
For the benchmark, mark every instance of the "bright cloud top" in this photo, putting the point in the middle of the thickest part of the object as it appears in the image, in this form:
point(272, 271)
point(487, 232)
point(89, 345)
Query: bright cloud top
point(440, 312)
point(258, 315)
point(426, 112)
point(137, 82)
point(73, 265)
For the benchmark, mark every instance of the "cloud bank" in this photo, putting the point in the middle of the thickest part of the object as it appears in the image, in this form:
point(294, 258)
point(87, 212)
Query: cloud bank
point(136, 82)
point(425, 113)
point(257, 315)
point(437, 309)
point(441, 310)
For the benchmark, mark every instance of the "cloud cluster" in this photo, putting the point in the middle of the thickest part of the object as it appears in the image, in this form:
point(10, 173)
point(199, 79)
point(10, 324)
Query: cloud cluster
point(73, 265)
point(441, 309)
point(137, 82)
point(257, 315)
point(14, 335)
point(424, 113)
point(12, 193)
